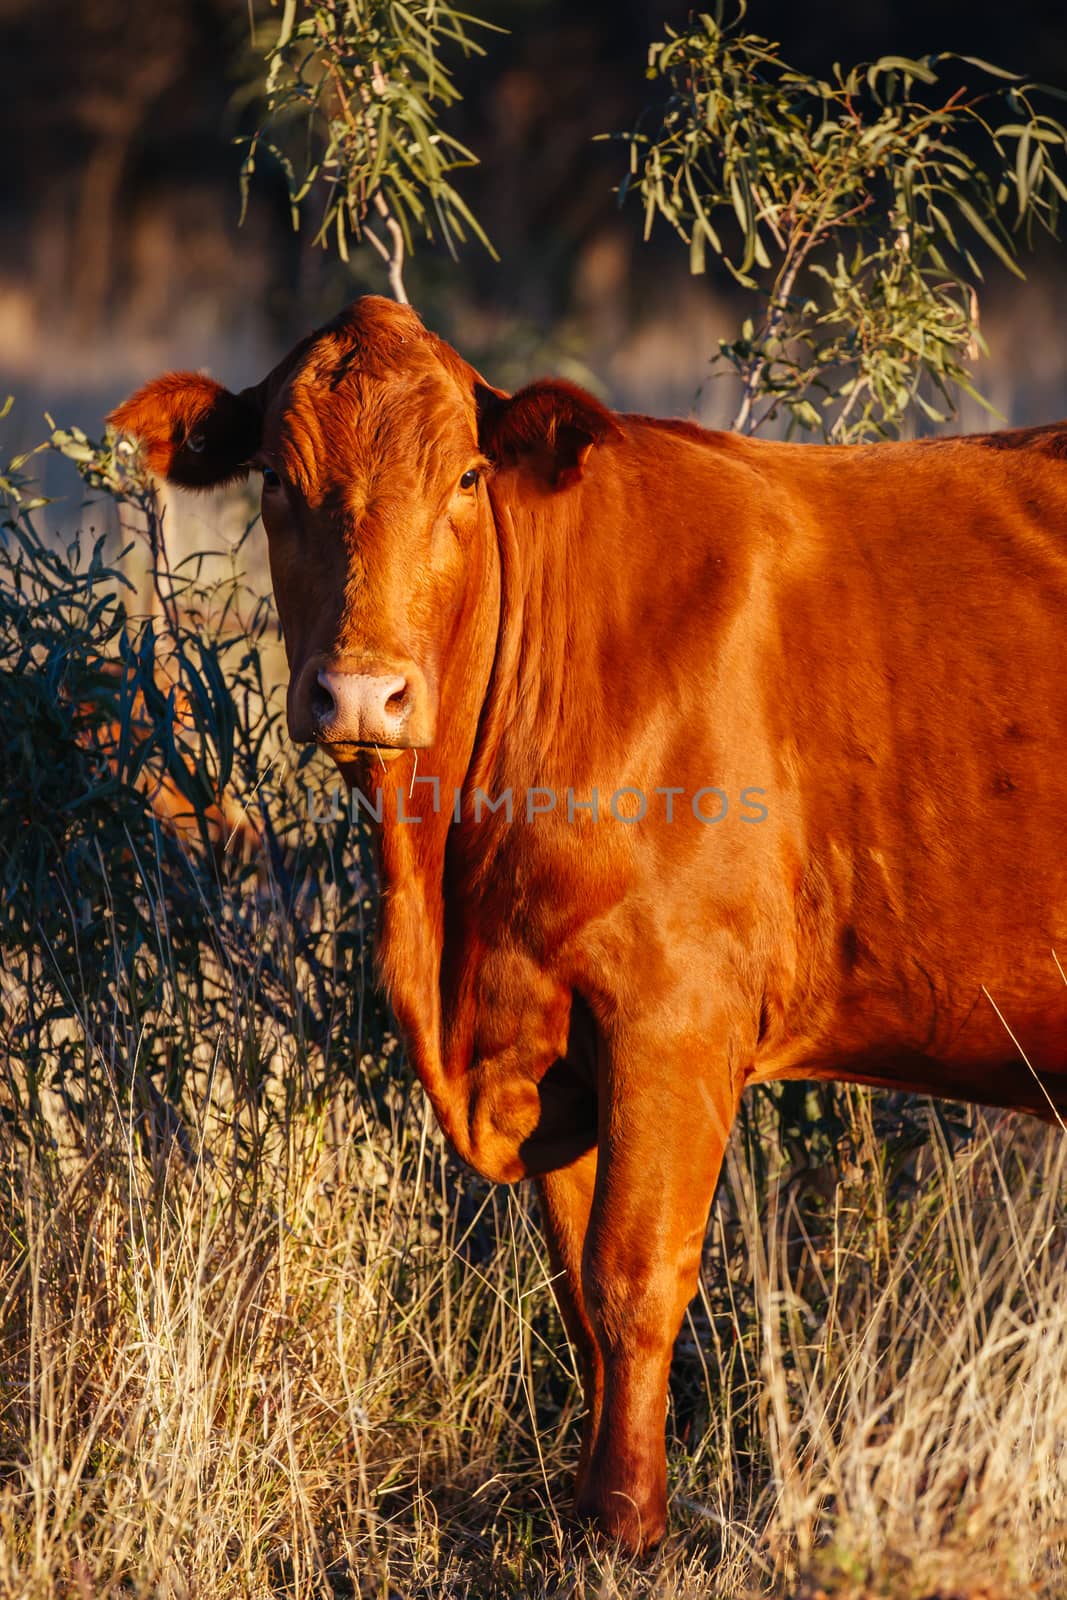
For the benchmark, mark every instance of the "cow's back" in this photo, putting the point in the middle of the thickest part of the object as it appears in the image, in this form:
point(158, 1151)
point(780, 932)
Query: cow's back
point(874, 636)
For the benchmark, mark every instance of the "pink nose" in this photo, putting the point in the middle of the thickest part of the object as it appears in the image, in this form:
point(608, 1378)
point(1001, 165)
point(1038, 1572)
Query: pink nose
point(360, 708)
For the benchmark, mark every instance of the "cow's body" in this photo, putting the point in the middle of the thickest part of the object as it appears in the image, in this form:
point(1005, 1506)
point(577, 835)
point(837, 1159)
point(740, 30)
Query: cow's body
point(875, 639)
point(867, 644)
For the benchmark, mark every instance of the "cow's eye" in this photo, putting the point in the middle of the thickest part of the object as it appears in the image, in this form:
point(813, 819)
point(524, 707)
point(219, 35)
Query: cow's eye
point(271, 480)
point(469, 478)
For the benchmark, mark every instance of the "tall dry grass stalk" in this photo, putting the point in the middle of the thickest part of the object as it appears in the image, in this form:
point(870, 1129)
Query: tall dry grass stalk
point(333, 1366)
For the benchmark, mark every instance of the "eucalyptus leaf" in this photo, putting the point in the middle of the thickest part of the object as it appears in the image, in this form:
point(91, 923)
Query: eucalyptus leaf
point(861, 210)
point(352, 98)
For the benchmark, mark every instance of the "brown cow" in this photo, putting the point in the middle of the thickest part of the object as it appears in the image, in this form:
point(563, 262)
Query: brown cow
point(834, 683)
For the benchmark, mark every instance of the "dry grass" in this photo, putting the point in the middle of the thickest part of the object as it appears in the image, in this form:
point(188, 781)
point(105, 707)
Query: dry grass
point(332, 1364)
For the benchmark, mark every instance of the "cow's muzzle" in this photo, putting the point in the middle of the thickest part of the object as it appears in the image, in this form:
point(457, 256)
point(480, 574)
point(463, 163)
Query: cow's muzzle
point(386, 708)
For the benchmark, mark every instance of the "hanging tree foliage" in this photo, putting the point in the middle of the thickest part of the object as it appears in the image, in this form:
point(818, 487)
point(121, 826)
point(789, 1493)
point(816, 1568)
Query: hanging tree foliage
point(857, 206)
point(352, 100)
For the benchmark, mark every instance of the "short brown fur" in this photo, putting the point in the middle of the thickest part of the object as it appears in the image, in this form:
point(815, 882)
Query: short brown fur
point(872, 637)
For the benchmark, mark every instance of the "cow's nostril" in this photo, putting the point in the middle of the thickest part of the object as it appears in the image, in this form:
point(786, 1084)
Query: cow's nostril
point(359, 708)
point(323, 704)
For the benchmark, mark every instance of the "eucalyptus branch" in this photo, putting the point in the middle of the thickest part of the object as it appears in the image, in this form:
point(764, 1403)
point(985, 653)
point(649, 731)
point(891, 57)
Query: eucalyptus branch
point(839, 427)
point(752, 385)
point(353, 92)
point(393, 257)
point(859, 207)
point(393, 254)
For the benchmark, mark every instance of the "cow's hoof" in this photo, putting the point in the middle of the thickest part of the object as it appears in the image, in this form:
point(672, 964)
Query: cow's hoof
point(621, 1519)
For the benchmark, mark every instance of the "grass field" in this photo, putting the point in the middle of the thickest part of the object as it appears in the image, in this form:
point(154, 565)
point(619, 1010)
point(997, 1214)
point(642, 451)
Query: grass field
point(313, 1357)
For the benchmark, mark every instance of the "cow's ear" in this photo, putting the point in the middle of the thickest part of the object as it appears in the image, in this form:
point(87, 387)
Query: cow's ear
point(552, 425)
point(192, 430)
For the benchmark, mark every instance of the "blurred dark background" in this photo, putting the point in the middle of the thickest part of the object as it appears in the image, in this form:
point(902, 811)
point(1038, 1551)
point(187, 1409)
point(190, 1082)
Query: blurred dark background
point(120, 250)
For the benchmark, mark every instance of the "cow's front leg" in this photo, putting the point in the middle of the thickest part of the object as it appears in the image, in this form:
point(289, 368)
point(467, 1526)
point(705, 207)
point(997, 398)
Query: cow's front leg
point(566, 1201)
point(664, 1128)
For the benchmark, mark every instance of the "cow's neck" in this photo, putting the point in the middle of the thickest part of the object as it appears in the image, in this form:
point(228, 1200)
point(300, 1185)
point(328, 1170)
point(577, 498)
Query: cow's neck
point(503, 719)
point(533, 729)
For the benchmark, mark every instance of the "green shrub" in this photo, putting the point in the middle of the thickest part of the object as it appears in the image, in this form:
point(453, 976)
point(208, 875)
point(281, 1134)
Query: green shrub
point(129, 922)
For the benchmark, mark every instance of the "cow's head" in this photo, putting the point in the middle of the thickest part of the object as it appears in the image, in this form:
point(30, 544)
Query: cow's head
point(375, 440)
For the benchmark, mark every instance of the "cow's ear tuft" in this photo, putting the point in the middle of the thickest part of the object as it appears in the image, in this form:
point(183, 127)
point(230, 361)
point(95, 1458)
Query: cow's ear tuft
point(192, 431)
point(552, 424)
